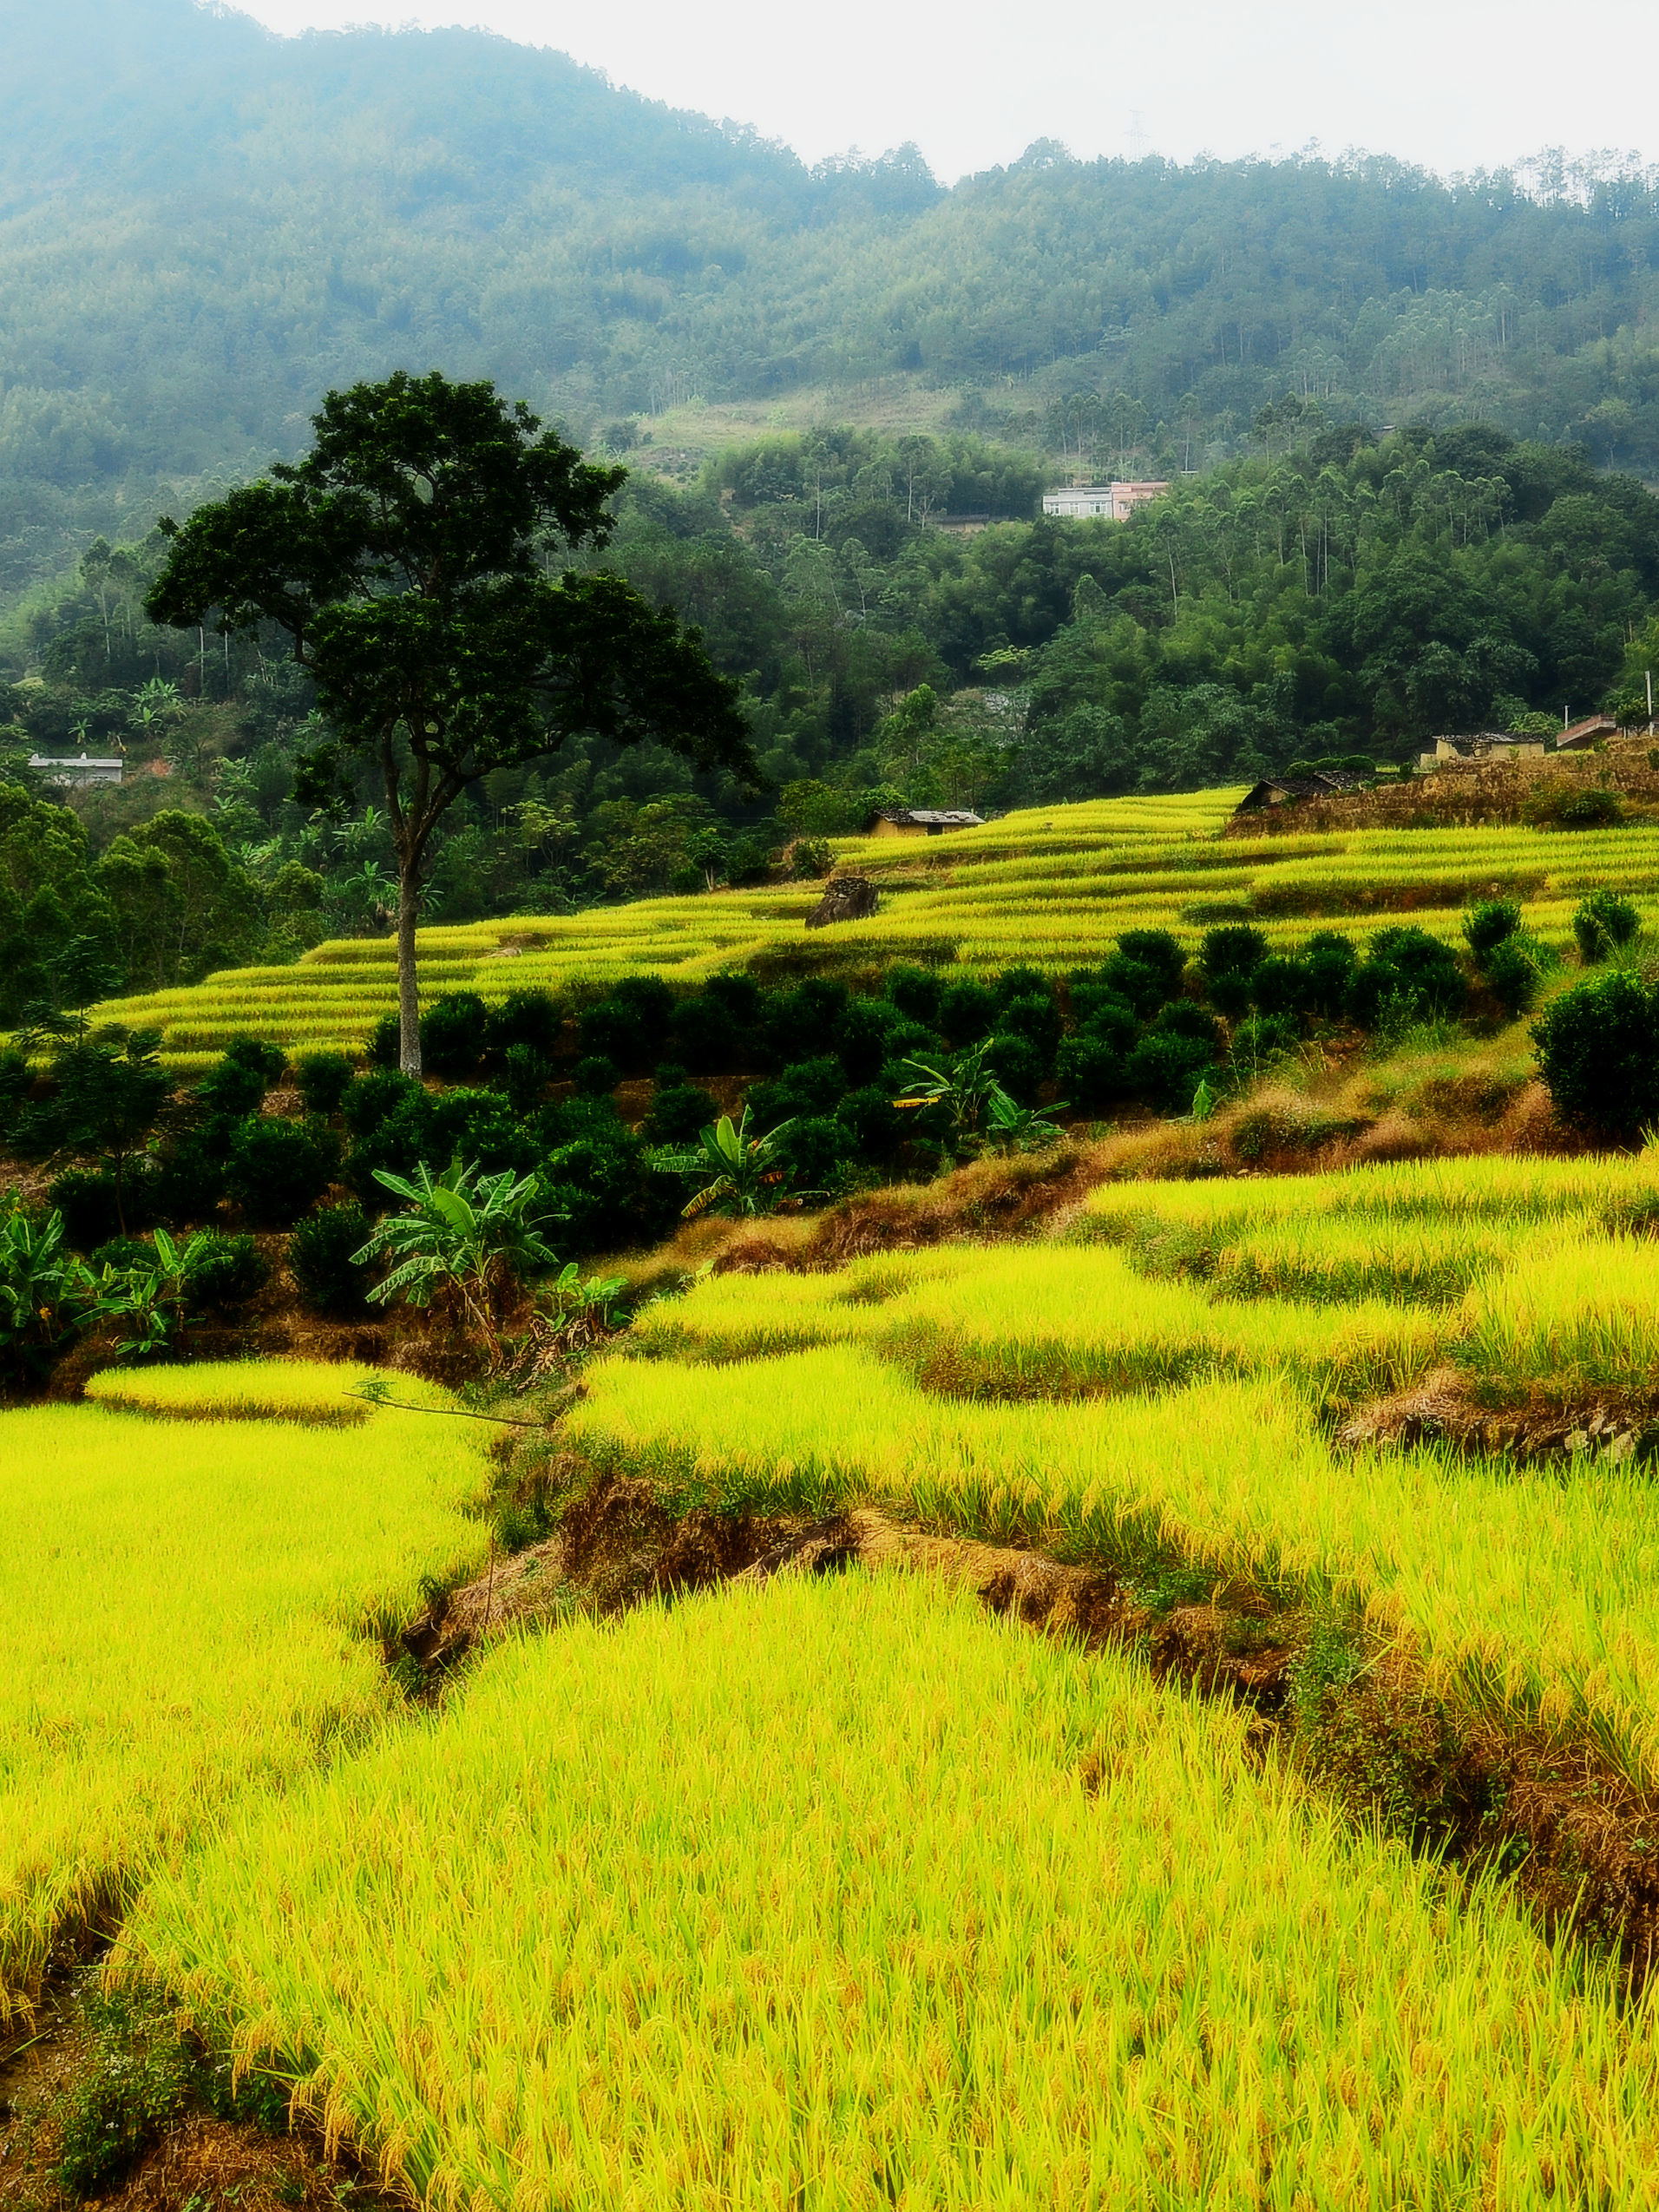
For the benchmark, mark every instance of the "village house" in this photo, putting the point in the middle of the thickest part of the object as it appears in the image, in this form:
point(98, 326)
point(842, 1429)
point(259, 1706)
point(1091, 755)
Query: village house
point(1483, 747)
point(1288, 791)
point(919, 821)
point(78, 773)
point(1077, 502)
point(1594, 729)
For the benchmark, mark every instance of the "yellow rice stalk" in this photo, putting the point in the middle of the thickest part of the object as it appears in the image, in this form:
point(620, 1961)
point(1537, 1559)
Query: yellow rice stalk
point(185, 1610)
point(843, 1896)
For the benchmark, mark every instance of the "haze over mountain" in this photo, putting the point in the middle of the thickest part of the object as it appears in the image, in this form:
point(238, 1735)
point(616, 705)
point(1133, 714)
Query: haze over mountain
point(203, 226)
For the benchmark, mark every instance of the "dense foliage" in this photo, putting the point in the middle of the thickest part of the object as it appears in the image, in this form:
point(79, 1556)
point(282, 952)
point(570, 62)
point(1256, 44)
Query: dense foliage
point(1341, 595)
point(254, 219)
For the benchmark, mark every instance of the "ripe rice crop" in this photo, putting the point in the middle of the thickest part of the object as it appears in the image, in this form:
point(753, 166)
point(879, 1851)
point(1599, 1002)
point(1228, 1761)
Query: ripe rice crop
point(843, 1896)
point(317, 1392)
point(185, 1610)
point(1033, 1323)
point(1489, 1187)
point(1529, 1595)
point(1581, 1316)
point(1051, 887)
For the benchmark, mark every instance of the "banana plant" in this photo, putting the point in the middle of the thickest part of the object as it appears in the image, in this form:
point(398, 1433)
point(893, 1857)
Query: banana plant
point(743, 1173)
point(45, 1291)
point(478, 1234)
point(966, 1089)
point(1014, 1128)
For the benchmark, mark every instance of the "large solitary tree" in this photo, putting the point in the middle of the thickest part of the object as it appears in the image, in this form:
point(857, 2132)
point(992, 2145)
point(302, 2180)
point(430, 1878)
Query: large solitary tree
point(410, 558)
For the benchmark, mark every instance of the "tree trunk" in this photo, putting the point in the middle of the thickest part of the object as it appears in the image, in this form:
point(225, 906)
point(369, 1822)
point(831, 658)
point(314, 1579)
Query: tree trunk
point(409, 993)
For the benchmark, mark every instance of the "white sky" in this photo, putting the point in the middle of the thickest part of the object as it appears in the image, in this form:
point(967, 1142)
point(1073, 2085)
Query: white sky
point(1455, 84)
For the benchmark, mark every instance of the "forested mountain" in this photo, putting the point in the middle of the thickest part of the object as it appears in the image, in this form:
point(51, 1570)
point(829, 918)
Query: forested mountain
point(203, 226)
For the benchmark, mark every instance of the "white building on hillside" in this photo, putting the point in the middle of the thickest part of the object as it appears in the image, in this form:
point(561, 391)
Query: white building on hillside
point(1116, 502)
point(75, 774)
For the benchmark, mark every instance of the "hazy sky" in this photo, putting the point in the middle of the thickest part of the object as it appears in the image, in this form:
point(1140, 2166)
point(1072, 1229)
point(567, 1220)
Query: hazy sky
point(1454, 84)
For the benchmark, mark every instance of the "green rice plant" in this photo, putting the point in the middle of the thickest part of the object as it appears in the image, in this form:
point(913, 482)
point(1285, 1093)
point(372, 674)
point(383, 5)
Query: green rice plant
point(187, 1608)
point(841, 1895)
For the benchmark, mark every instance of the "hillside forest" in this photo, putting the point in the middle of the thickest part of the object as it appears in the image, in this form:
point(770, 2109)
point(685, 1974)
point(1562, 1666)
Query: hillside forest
point(254, 219)
point(1334, 596)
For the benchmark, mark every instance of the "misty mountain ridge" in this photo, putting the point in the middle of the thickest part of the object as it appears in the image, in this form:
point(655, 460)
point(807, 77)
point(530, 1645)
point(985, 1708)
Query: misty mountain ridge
point(203, 226)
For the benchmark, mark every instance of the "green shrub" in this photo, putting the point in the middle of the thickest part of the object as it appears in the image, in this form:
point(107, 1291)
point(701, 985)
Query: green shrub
point(628, 1026)
point(92, 1208)
point(1156, 949)
point(595, 1075)
point(1137, 982)
point(374, 1098)
point(676, 1113)
point(878, 1128)
point(1512, 975)
point(320, 1260)
point(1598, 1053)
point(1603, 923)
point(1034, 1016)
point(1165, 1069)
point(17, 1081)
point(138, 2079)
point(815, 1153)
point(453, 1030)
point(793, 1025)
point(1259, 1042)
point(235, 1086)
point(1562, 806)
point(385, 1045)
point(1489, 925)
point(809, 1086)
point(967, 1010)
point(710, 1035)
point(526, 1073)
point(1233, 949)
point(1020, 1066)
point(1283, 988)
point(869, 1032)
point(224, 1270)
point(278, 1170)
point(915, 992)
point(1329, 960)
point(1090, 1071)
point(1406, 976)
point(190, 1176)
point(322, 1080)
point(530, 1017)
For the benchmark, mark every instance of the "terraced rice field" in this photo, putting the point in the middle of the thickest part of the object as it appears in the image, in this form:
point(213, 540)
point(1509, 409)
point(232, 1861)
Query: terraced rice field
point(1051, 887)
point(189, 1608)
point(1171, 1395)
point(841, 1895)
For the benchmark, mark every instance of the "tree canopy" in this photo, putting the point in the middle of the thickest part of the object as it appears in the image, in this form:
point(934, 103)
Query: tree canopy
point(404, 558)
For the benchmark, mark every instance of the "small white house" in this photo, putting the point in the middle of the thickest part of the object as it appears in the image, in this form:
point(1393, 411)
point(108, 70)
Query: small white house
point(1076, 502)
point(75, 774)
